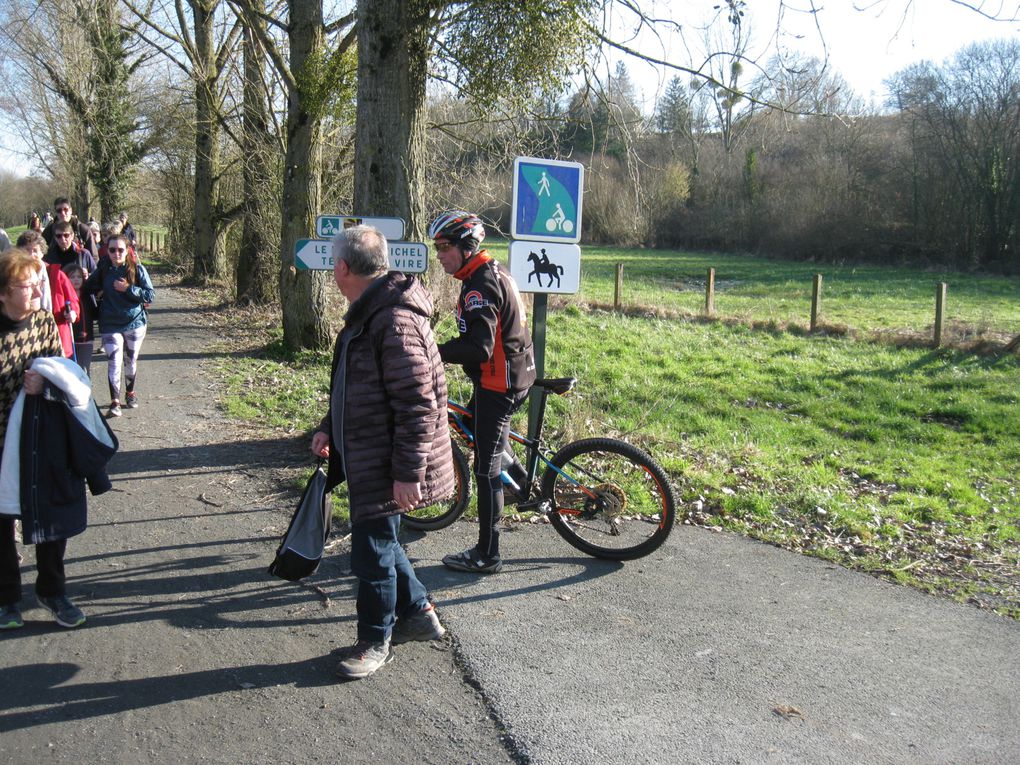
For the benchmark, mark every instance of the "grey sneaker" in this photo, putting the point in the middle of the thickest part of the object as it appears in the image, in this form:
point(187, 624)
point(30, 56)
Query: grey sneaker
point(10, 617)
point(132, 400)
point(421, 625)
point(64, 611)
point(473, 563)
point(114, 409)
point(363, 659)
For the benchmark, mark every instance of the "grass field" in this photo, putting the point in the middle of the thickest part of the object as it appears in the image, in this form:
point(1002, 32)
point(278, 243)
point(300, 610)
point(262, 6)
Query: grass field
point(899, 461)
point(865, 298)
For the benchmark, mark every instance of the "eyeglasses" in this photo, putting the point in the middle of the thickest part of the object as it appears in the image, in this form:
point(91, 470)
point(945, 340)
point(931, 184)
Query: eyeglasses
point(29, 286)
point(116, 249)
point(65, 235)
point(63, 209)
point(444, 246)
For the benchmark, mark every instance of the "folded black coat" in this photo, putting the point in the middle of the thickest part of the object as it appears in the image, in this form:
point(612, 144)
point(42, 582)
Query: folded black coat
point(59, 454)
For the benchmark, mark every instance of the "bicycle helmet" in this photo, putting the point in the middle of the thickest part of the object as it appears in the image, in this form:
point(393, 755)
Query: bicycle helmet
point(462, 228)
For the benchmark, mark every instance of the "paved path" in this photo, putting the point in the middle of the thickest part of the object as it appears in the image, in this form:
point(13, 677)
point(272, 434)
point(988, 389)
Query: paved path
point(716, 649)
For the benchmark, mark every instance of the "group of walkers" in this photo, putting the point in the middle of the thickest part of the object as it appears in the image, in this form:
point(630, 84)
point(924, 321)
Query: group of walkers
point(56, 283)
point(386, 432)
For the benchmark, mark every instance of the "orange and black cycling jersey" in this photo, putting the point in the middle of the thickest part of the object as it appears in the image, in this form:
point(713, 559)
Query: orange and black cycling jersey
point(493, 346)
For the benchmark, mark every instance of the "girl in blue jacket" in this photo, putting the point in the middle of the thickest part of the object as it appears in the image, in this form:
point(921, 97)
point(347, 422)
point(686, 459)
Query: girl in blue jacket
point(126, 289)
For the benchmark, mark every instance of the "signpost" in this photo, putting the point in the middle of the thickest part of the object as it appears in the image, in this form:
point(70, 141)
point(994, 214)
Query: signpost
point(546, 209)
point(317, 255)
point(547, 200)
point(328, 226)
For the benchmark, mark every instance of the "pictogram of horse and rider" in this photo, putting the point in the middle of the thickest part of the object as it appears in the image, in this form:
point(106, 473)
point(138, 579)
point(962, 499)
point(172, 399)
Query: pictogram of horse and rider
point(541, 265)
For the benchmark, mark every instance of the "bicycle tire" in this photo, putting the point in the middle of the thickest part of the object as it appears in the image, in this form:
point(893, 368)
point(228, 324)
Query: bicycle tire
point(626, 508)
point(442, 514)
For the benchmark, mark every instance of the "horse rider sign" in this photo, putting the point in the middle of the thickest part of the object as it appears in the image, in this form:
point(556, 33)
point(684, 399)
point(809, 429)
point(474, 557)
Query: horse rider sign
point(545, 267)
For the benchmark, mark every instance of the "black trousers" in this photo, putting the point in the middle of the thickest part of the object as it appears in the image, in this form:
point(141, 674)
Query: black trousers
point(49, 559)
point(491, 413)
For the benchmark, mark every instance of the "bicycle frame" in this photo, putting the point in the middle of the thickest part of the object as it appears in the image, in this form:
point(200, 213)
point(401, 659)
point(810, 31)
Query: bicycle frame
point(532, 444)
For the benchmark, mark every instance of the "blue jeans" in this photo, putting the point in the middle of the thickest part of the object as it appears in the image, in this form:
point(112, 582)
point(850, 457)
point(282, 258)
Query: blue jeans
point(387, 585)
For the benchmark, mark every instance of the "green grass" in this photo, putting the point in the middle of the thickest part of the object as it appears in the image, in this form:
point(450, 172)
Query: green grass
point(866, 298)
point(900, 461)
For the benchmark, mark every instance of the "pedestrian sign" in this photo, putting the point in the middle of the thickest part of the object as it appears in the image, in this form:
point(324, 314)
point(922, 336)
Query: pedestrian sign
point(317, 255)
point(547, 200)
point(549, 267)
point(328, 226)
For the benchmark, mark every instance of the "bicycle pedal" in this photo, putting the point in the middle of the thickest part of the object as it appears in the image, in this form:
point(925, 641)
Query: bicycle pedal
point(538, 505)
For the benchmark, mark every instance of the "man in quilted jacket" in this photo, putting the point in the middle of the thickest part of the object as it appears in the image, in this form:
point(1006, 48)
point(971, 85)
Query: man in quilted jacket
point(386, 436)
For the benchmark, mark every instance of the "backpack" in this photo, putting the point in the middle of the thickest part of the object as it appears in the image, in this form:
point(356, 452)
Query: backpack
point(301, 548)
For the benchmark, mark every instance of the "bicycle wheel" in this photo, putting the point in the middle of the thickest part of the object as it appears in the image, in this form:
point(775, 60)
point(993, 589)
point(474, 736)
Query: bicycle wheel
point(441, 514)
point(611, 499)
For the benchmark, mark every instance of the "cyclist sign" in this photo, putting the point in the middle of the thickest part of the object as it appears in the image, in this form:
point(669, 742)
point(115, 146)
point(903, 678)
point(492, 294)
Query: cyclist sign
point(547, 200)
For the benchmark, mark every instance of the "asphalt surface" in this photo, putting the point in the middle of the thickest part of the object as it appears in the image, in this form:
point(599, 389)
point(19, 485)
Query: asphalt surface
point(715, 649)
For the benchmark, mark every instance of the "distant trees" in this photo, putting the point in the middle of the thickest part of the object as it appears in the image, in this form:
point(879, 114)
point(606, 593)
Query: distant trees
point(963, 179)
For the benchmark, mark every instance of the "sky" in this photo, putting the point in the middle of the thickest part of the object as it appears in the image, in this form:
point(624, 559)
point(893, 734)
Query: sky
point(865, 46)
point(866, 41)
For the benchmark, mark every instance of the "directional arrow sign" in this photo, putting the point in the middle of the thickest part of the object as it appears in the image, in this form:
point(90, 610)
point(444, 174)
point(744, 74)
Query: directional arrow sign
point(409, 257)
point(328, 226)
point(317, 255)
point(313, 255)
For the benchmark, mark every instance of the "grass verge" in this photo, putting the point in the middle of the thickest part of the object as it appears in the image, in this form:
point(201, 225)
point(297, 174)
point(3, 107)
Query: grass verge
point(897, 461)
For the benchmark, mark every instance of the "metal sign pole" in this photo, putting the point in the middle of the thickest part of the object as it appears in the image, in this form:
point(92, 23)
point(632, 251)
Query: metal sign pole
point(538, 340)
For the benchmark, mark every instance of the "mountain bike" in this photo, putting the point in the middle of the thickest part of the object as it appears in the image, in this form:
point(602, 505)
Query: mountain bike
point(604, 496)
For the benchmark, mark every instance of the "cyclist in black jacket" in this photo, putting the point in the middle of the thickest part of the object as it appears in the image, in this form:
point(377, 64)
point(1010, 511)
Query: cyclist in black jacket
point(495, 349)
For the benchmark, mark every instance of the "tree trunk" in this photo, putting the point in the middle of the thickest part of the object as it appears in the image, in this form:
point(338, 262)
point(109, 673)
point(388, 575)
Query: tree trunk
point(210, 261)
point(302, 293)
point(256, 264)
point(393, 52)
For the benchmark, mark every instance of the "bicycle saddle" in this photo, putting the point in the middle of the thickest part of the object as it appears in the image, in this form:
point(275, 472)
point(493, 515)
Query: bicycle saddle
point(557, 385)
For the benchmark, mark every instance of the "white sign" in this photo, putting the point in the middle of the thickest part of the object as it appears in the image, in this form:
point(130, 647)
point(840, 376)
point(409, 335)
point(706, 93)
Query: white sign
point(317, 255)
point(313, 255)
point(409, 257)
point(551, 267)
point(328, 226)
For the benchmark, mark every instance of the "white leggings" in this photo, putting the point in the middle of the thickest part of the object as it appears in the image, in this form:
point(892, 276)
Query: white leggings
point(128, 344)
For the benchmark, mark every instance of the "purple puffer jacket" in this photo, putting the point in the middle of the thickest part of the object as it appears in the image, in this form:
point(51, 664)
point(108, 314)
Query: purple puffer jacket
point(388, 400)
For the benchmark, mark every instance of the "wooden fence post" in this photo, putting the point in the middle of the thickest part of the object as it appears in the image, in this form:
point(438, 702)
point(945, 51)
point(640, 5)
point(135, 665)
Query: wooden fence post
point(710, 293)
point(816, 301)
point(618, 293)
point(940, 312)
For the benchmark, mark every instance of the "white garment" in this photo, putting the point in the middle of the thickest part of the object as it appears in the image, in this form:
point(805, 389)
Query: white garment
point(77, 388)
point(46, 301)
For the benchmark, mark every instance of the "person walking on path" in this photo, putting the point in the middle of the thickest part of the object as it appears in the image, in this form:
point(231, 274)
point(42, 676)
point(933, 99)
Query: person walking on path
point(84, 327)
point(58, 296)
point(495, 349)
point(80, 230)
point(386, 434)
point(27, 332)
point(64, 250)
point(126, 290)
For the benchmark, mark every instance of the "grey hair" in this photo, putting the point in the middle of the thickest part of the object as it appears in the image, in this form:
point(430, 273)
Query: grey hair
point(364, 249)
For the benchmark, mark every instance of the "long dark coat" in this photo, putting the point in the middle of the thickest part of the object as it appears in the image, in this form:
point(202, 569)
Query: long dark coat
point(388, 401)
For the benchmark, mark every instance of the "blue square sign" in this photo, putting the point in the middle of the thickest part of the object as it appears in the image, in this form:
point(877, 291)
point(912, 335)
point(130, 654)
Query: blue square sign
point(547, 200)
